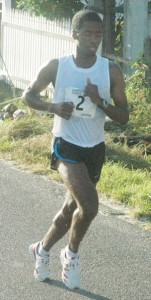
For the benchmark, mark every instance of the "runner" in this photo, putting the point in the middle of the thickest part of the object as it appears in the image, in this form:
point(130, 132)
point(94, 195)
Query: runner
point(84, 85)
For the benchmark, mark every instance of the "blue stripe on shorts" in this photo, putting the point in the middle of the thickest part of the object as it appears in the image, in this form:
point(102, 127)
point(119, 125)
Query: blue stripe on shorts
point(60, 157)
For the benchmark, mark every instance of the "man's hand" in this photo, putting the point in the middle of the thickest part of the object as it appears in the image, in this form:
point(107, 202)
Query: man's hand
point(63, 109)
point(91, 90)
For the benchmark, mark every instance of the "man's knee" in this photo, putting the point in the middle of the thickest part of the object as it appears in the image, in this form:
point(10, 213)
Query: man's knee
point(68, 209)
point(89, 209)
point(65, 215)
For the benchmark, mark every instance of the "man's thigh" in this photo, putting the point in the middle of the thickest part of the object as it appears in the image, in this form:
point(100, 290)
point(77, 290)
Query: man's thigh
point(77, 181)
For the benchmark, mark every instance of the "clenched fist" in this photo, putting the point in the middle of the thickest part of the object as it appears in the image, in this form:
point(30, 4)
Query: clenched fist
point(64, 109)
point(91, 90)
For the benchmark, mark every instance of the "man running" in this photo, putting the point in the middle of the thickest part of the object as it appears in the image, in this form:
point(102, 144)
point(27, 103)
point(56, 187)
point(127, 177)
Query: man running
point(84, 85)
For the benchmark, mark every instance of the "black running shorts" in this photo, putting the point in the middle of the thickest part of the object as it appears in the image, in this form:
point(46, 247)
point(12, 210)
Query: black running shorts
point(92, 157)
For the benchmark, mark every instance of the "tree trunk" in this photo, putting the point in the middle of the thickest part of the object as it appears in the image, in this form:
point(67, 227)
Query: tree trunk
point(109, 27)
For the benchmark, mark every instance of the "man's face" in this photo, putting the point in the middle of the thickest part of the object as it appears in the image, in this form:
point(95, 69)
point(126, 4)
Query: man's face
point(89, 37)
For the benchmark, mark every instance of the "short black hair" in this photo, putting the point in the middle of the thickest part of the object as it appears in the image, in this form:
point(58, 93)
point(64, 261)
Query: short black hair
point(84, 15)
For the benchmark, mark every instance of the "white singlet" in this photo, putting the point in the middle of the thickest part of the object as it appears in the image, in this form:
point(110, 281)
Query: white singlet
point(86, 126)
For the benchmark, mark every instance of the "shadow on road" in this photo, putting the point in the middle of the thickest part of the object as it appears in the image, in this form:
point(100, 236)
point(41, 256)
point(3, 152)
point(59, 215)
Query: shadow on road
point(85, 293)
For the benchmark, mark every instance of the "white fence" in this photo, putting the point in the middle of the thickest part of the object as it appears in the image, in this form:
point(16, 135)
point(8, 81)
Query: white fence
point(28, 42)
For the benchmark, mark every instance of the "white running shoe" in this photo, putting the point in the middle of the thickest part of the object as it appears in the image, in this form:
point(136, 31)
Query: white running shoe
point(41, 271)
point(70, 272)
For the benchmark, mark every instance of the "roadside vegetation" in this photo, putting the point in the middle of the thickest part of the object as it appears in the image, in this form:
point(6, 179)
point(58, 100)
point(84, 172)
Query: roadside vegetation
point(126, 176)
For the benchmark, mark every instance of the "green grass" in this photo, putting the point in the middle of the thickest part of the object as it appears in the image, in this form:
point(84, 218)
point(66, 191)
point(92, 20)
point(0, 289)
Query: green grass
point(5, 91)
point(28, 142)
point(131, 187)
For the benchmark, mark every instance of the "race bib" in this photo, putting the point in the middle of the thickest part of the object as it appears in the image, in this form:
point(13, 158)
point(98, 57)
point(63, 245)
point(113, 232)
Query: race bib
point(84, 107)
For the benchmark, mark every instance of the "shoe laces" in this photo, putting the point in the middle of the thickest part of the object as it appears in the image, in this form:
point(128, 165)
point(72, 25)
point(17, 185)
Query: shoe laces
point(73, 262)
point(44, 259)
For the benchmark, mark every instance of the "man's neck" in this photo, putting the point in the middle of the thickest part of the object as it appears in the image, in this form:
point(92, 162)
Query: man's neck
point(84, 61)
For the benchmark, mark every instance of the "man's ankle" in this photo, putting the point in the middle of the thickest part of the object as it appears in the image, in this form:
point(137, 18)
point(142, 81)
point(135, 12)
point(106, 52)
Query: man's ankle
point(42, 251)
point(70, 253)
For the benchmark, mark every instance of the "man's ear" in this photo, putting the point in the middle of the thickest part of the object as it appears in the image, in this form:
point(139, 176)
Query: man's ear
point(75, 35)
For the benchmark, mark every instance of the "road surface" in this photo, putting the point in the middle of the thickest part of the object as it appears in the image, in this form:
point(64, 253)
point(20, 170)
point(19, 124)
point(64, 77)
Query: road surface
point(115, 255)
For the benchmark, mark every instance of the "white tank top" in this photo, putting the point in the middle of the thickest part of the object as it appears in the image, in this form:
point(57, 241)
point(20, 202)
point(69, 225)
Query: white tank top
point(86, 126)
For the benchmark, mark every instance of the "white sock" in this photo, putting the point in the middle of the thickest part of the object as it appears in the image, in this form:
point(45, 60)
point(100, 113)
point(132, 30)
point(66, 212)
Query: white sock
point(69, 253)
point(41, 250)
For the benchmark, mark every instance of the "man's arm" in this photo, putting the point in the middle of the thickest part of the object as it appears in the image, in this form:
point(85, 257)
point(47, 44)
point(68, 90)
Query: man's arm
point(31, 95)
point(119, 111)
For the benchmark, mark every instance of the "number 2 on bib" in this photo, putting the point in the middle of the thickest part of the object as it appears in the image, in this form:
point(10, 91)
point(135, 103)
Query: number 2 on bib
point(80, 103)
point(83, 106)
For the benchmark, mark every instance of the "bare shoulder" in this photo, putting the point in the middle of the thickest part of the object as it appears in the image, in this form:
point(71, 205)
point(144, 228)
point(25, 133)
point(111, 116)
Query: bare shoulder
point(45, 75)
point(48, 71)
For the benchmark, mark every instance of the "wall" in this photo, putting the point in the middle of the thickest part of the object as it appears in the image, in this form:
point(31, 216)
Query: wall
point(136, 28)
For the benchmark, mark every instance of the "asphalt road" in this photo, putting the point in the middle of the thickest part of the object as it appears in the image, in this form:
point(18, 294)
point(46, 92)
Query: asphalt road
point(115, 255)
